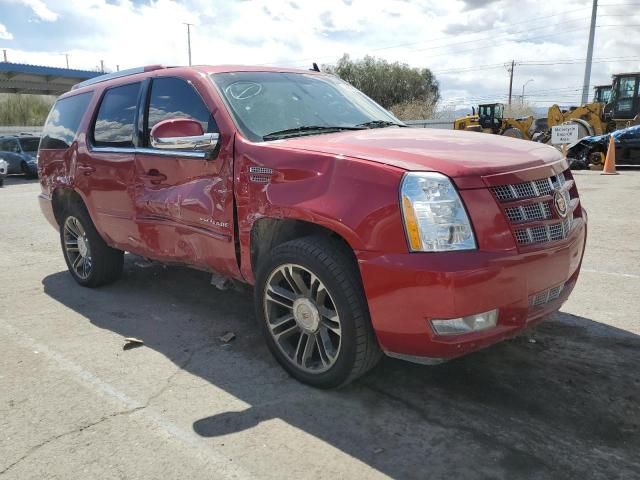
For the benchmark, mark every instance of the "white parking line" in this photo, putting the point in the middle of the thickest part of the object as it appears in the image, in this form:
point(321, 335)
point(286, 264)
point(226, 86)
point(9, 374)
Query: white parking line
point(615, 274)
point(224, 467)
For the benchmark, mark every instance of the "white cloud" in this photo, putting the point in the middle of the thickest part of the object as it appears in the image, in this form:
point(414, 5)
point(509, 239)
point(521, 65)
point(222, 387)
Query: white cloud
point(4, 33)
point(41, 10)
point(466, 42)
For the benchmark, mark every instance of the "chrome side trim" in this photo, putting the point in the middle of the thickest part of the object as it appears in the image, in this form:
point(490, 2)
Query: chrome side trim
point(149, 151)
point(172, 153)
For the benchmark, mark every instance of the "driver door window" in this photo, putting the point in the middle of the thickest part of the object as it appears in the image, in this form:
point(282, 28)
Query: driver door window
point(176, 98)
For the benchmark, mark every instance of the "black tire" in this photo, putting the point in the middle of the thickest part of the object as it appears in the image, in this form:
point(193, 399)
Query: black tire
point(333, 264)
point(106, 262)
point(513, 132)
point(26, 172)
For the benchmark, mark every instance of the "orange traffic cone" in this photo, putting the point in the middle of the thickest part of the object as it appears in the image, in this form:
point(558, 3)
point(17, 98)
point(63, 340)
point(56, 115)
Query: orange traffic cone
point(610, 160)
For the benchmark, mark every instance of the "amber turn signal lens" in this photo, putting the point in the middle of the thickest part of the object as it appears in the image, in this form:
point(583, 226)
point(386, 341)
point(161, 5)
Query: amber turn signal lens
point(411, 222)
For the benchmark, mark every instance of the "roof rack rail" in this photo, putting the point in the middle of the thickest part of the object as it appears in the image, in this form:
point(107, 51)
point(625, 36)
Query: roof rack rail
point(121, 73)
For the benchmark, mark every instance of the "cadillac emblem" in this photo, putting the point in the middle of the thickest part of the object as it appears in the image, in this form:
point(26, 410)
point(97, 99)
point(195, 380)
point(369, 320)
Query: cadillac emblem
point(560, 203)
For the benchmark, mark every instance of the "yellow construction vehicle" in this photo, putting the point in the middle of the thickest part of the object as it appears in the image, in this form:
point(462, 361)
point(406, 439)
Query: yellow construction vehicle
point(620, 109)
point(602, 94)
point(490, 119)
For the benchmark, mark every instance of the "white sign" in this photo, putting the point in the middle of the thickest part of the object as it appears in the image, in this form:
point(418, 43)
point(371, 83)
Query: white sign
point(564, 134)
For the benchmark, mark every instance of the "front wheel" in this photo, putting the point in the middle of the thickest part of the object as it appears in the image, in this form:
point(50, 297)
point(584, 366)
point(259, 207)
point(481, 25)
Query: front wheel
point(90, 260)
point(26, 171)
point(313, 313)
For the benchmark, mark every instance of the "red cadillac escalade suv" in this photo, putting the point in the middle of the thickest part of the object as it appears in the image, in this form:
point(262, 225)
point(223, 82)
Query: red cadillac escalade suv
point(360, 235)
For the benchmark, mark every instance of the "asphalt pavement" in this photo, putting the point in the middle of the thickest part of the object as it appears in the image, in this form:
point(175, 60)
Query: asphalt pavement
point(558, 402)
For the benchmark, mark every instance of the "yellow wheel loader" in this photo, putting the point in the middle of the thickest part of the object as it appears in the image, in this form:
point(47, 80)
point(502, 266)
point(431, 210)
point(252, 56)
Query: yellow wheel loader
point(490, 119)
point(619, 109)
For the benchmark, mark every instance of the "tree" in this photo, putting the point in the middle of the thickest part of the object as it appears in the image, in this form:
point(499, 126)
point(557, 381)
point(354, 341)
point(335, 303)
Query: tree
point(28, 110)
point(396, 86)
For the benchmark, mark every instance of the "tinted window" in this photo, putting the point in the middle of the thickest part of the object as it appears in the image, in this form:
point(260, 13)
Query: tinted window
point(175, 98)
point(114, 122)
point(9, 145)
point(63, 121)
point(29, 144)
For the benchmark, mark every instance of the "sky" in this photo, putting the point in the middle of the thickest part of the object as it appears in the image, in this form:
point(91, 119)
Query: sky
point(466, 43)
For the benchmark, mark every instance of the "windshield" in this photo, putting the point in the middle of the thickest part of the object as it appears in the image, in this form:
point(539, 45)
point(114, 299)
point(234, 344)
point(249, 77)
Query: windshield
point(266, 102)
point(29, 144)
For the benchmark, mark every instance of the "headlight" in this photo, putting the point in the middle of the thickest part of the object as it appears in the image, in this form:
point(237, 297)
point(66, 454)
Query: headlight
point(434, 217)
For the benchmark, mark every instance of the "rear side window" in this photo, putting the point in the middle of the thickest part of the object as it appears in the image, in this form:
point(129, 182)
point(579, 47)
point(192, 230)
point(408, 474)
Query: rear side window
point(63, 121)
point(114, 125)
point(9, 145)
point(175, 98)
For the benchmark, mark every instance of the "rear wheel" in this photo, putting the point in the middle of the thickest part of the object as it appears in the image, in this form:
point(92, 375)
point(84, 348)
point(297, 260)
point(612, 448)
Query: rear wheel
point(313, 313)
point(90, 260)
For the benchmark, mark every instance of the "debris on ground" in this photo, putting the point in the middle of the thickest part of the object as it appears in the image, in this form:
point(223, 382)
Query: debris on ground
point(144, 263)
point(227, 337)
point(220, 282)
point(378, 450)
point(132, 342)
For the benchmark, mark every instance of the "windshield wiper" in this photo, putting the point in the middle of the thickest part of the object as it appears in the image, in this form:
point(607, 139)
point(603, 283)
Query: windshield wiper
point(379, 124)
point(301, 130)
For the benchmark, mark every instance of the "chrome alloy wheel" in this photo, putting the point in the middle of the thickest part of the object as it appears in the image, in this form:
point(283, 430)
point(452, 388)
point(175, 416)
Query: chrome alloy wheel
point(76, 245)
point(302, 318)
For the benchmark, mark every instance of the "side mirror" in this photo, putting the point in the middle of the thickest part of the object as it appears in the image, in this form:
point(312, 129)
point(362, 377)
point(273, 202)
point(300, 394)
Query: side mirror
point(182, 134)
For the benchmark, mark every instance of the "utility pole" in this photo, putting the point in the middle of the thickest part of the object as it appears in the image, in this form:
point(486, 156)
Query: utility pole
point(66, 56)
point(102, 66)
point(4, 54)
point(587, 67)
point(189, 25)
point(510, 70)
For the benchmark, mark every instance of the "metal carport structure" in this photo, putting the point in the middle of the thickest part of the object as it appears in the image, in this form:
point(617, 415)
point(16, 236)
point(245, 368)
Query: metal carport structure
point(40, 80)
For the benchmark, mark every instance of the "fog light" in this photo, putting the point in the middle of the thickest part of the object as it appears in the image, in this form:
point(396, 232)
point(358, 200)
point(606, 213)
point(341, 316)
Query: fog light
point(468, 324)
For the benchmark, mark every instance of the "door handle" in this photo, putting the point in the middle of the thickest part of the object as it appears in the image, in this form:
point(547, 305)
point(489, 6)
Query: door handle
point(86, 169)
point(154, 176)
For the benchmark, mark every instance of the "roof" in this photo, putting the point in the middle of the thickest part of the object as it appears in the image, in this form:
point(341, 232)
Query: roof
point(40, 79)
point(206, 69)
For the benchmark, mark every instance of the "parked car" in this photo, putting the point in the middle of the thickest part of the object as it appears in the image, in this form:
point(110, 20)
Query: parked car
point(592, 150)
point(20, 152)
point(359, 235)
point(4, 167)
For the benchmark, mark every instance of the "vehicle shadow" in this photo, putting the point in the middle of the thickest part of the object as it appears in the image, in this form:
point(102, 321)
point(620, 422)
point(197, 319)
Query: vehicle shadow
point(13, 180)
point(561, 406)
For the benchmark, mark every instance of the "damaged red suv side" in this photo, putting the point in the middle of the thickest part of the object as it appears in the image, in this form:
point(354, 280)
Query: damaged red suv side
point(360, 235)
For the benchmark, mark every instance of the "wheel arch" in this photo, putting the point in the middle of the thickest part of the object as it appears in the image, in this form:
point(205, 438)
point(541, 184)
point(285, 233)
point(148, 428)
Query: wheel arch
point(269, 232)
point(62, 198)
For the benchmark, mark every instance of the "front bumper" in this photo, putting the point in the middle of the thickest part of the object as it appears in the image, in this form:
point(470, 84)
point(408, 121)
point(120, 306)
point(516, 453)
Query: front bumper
point(406, 291)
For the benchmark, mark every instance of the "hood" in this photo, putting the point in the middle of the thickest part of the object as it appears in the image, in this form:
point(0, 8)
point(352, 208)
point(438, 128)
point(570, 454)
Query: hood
point(457, 154)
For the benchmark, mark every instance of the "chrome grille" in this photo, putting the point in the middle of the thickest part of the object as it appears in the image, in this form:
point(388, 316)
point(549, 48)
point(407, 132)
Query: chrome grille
point(546, 296)
point(544, 233)
point(531, 211)
point(522, 204)
point(536, 188)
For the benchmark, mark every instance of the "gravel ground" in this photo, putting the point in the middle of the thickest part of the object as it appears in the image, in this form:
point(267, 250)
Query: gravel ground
point(559, 402)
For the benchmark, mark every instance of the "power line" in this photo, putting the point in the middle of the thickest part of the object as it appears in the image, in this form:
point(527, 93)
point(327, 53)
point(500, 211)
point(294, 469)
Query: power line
point(298, 62)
